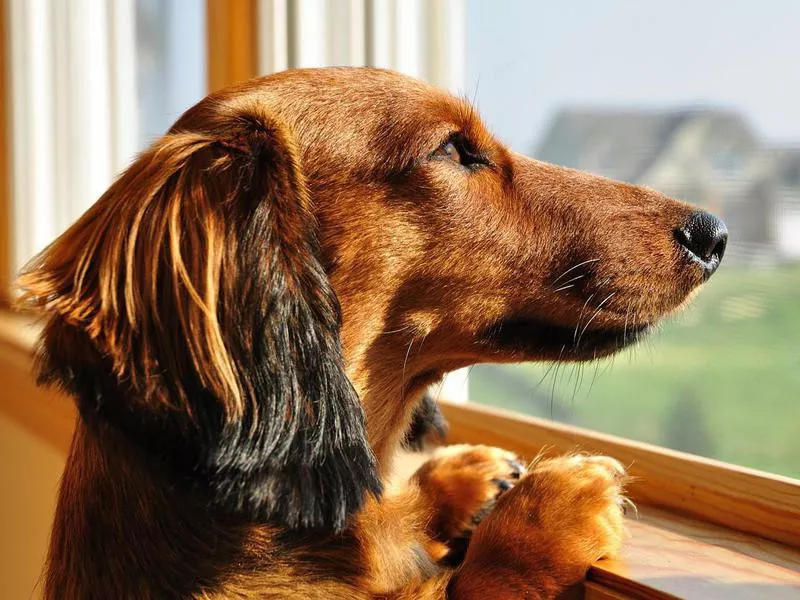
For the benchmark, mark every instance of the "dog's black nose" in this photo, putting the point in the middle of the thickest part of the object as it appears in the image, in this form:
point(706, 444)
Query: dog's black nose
point(705, 237)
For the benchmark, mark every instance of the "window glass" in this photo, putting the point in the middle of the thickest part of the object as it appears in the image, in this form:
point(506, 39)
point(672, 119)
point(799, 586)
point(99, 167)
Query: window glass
point(170, 62)
point(698, 101)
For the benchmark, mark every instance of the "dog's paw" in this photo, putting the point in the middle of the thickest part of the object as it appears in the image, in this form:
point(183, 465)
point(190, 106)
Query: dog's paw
point(543, 535)
point(580, 499)
point(570, 507)
point(462, 483)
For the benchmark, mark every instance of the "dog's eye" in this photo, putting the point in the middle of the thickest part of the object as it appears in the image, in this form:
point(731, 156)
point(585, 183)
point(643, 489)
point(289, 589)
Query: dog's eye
point(459, 151)
point(450, 151)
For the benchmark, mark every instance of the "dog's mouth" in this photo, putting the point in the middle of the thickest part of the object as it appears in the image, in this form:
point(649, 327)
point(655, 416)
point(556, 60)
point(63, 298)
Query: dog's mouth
point(523, 338)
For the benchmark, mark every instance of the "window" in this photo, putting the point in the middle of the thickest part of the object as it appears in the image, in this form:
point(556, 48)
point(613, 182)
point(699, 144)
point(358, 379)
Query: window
point(653, 83)
point(92, 83)
point(720, 381)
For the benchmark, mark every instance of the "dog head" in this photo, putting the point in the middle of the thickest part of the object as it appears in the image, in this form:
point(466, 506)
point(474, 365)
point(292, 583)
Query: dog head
point(445, 248)
point(195, 307)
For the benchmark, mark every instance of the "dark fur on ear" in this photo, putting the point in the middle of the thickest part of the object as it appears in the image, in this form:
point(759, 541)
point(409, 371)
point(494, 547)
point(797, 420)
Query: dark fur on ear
point(189, 309)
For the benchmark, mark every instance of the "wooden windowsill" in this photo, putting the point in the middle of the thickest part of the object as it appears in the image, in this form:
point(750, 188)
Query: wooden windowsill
point(669, 556)
point(743, 499)
point(730, 552)
point(705, 529)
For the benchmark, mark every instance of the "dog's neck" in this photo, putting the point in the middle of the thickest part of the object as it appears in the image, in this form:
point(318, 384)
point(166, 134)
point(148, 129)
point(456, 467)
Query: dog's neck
point(122, 519)
point(388, 408)
point(390, 385)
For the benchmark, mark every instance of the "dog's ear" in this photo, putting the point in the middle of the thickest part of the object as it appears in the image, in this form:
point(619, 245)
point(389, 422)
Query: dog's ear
point(189, 309)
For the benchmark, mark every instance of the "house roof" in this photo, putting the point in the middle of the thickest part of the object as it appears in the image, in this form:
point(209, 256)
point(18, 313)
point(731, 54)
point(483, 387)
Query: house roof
point(623, 143)
point(786, 166)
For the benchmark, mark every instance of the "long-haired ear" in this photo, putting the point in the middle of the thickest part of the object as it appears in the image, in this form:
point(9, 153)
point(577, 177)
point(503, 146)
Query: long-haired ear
point(189, 309)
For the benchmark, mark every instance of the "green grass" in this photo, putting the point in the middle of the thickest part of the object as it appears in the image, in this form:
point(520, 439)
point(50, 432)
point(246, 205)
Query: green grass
point(721, 380)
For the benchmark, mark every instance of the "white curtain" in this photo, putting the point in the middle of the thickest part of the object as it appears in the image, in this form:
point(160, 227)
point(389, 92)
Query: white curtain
point(424, 38)
point(73, 117)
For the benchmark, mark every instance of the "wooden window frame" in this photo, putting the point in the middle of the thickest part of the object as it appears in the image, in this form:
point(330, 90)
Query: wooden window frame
point(5, 161)
point(231, 47)
point(734, 497)
point(703, 522)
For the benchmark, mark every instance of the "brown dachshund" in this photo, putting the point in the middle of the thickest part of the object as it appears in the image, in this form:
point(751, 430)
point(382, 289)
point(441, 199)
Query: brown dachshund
point(248, 318)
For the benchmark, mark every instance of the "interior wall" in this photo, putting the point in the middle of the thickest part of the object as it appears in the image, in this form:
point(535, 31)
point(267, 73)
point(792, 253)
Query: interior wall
point(31, 469)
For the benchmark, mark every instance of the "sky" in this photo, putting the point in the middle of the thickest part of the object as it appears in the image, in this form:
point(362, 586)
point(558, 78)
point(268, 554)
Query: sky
point(527, 58)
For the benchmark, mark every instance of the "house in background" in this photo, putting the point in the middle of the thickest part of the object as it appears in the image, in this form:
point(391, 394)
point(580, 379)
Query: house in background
point(708, 157)
point(785, 194)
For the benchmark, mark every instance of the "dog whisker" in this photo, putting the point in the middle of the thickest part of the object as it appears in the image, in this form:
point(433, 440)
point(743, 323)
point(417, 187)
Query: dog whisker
point(546, 373)
point(625, 328)
point(578, 380)
point(580, 316)
point(400, 330)
point(572, 268)
point(557, 364)
point(569, 283)
point(594, 377)
point(583, 373)
point(405, 362)
point(422, 341)
point(596, 312)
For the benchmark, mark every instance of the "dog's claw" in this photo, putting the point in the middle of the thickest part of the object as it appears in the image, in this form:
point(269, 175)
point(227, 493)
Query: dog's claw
point(517, 469)
point(503, 484)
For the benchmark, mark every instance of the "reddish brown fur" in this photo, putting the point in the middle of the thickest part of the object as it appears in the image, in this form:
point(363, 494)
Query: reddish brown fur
point(428, 260)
